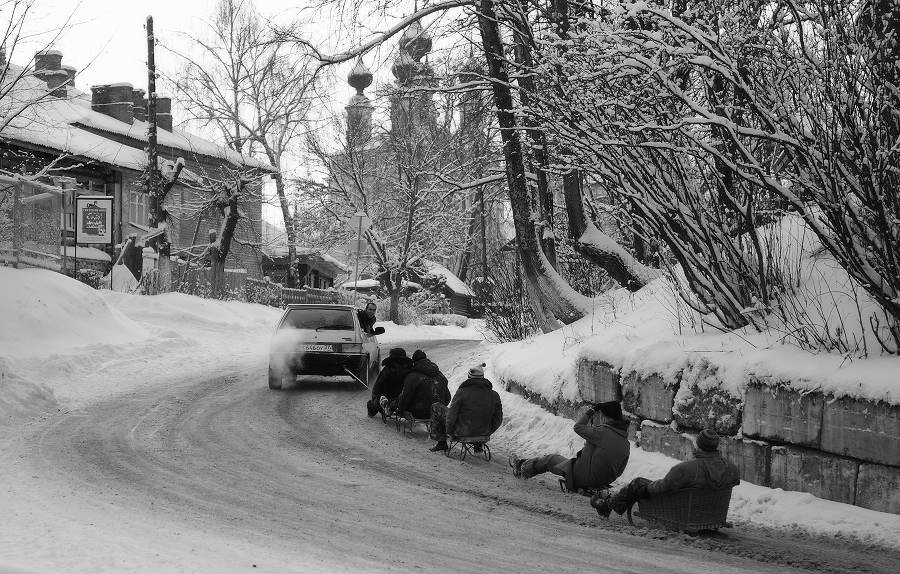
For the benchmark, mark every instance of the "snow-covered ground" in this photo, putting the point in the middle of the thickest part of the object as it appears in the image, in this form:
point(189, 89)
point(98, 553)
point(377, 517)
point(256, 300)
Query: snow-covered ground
point(63, 345)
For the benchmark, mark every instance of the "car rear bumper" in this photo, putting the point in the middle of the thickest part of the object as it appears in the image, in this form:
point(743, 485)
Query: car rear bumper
point(324, 364)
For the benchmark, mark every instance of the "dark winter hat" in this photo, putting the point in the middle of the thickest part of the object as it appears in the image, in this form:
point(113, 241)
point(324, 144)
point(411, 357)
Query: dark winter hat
point(477, 371)
point(708, 440)
point(612, 409)
point(419, 355)
point(395, 355)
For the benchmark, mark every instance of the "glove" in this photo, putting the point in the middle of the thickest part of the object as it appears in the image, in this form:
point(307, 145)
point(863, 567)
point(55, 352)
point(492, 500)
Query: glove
point(596, 407)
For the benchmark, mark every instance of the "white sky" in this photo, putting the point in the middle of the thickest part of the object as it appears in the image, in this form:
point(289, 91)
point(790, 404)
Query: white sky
point(107, 42)
point(62, 343)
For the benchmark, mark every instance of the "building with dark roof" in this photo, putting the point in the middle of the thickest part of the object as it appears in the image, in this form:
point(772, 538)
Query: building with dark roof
point(96, 144)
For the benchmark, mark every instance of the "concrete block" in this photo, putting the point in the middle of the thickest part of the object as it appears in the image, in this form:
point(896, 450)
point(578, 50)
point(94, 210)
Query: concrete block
point(516, 388)
point(862, 429)
point(780, 414)
point(547, 405)
point(597, 381)
point(821, 474)
point(750, 456)
point(878, 488)
point(648, 397)
point(664, 439)
point(633, 428)
point(708, 407)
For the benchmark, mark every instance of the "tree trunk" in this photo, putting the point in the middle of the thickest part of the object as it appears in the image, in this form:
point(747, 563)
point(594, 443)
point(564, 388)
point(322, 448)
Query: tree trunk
point(617, 263)
point(539, 152)
point(547, 285)
point(291, 279)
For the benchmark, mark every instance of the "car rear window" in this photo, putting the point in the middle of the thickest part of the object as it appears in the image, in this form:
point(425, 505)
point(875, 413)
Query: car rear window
point(324, 319)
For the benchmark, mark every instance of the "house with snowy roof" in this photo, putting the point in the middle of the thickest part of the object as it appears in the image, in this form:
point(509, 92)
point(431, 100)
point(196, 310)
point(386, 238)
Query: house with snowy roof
point(315, 268)
point(95, 144)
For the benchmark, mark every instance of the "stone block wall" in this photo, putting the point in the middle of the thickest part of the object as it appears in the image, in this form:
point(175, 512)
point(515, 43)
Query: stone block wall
point(870, 431)
point(780, 414)
point(836, 448)
point(820, 474)
point(598, 381)
point(649, 398)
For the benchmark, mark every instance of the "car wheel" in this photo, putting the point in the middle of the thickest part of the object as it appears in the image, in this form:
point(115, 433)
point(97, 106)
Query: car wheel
point(274, 379)
point(374, 370)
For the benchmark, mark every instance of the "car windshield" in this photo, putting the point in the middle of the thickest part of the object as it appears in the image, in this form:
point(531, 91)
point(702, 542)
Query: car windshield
point(319, 319)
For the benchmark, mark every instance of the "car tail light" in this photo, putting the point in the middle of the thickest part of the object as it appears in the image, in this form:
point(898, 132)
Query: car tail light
point(350, 348)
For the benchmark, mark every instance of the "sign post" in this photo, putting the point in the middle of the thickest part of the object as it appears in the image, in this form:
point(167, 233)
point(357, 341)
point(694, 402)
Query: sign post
point(360, 222)
point(93, 223)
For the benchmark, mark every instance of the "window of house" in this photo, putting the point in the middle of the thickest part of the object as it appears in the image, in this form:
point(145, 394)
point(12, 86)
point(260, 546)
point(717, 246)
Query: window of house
point(138, 208)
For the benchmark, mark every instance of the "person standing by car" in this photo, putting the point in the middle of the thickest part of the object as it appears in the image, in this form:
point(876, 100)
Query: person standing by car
point(474, 411)
point(424, 386)
point(367, 317)
point(395, 367)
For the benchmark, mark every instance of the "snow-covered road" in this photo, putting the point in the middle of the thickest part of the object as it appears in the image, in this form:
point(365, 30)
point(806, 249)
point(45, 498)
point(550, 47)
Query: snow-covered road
point(152, 444)
point(216, 473)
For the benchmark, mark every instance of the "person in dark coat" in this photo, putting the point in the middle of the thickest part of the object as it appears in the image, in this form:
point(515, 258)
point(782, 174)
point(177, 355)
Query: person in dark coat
point(418, 355)
point(597, 465)
point(424, 386)
point(474, 411)
point(389, 384)
point(706, 470)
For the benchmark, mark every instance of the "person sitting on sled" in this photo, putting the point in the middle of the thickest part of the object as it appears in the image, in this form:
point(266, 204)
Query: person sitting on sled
point(599, 463)
point(706, 470)
point(474, 411)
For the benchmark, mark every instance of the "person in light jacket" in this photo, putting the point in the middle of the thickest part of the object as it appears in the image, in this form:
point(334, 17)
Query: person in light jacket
point(601, 461)
point(474, 411)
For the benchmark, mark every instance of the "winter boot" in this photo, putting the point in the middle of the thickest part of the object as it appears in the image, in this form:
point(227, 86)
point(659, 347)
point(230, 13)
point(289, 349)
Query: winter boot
point(516, 463)
point(440, 446)
point(478, 448)
point(602, 505)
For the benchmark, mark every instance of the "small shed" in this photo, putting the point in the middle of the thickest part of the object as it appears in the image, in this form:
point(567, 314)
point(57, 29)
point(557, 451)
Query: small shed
point(456, 292)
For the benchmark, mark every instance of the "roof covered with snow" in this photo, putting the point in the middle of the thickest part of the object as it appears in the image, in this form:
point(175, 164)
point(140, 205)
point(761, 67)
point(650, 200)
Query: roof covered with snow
point(454, 283)
point(70, 126)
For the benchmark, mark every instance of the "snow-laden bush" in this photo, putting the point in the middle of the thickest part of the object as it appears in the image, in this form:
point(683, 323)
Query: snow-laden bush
point(451, 320)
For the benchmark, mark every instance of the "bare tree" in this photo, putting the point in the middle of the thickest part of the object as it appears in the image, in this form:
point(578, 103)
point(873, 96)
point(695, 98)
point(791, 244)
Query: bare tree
point(256, 92)
point(711, 122)
point(406, 179)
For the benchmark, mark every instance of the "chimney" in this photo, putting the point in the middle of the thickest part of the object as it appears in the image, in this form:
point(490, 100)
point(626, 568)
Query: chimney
point(114, 100)
point(140, 104)
point(48, 68)
point(164, 113)
point(47, 60)
point(70, 71)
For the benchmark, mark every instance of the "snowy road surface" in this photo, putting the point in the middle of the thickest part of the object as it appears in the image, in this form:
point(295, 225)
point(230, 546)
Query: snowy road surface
point(191, 464)
point(223, 475)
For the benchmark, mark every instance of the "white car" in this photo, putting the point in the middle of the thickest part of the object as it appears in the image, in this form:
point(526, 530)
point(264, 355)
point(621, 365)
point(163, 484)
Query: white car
point(323, 340)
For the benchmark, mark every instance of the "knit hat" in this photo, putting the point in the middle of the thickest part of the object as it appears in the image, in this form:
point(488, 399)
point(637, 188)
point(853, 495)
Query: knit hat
point(419, 355)
point(708, 440)
point(612, 409)
point(477, 371)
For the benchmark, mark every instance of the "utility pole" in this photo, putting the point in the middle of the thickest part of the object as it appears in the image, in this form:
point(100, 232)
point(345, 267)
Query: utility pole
point(152, 177)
